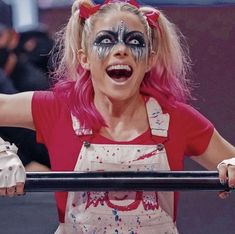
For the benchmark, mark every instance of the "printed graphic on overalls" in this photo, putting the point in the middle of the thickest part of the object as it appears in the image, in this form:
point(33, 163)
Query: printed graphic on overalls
point(132, 200)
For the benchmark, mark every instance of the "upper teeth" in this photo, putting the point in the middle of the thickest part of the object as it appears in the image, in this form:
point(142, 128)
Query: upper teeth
point(126, 67)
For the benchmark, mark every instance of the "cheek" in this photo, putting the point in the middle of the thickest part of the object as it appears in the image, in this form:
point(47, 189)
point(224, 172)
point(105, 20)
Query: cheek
point(139, 53)
point(97, 71)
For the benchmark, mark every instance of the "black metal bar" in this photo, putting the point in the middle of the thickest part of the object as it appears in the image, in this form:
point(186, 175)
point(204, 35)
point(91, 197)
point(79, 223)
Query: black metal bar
point(123, 181)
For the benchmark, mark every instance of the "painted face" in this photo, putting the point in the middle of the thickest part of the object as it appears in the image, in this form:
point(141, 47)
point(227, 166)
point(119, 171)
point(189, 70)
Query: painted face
point(106, 40)
point(117, 55)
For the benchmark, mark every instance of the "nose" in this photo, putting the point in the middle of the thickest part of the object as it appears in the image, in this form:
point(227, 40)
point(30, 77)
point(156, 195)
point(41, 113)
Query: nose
point(121, 50)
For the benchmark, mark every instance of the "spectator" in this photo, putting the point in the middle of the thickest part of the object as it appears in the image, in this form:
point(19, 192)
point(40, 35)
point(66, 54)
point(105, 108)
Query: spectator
point(35, 46)
point(24, 75)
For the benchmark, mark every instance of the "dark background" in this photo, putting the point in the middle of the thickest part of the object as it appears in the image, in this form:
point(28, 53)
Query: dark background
point(210, 32)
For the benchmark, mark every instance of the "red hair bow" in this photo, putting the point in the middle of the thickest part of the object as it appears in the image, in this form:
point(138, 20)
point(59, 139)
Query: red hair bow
point(152, 18)
point(86, 11)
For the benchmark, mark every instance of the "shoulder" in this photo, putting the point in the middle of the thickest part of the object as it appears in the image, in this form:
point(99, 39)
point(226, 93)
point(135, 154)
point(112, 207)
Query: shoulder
point(188, 120)
point(186, 112)
point(179, 110)
point(43, 95)
point(47, 103)
point(192, 126)
point(46, 98)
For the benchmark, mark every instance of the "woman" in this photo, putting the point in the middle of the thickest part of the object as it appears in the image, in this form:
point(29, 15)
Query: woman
point(119, 105)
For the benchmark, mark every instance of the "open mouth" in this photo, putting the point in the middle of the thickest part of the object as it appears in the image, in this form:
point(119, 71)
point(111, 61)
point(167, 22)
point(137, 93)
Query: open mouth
point(119, 72)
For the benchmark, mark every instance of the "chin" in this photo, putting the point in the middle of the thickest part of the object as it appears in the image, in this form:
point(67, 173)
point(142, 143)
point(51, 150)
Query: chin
point(119, 96)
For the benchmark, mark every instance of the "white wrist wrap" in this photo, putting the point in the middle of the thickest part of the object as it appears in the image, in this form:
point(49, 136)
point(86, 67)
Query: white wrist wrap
point(227, 162)
point(11, 168)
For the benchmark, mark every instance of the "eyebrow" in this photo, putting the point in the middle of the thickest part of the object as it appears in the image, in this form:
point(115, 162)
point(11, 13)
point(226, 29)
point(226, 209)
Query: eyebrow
point(115, 33)
point(106, 32)
point(135, 32)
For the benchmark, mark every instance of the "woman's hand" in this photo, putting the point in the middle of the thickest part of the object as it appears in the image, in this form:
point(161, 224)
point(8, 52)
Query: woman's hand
point(227, 175)
point(12, 172)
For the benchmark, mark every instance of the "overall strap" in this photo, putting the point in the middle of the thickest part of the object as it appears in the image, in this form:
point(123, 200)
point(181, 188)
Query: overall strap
point(158, 122)
point(78, 129)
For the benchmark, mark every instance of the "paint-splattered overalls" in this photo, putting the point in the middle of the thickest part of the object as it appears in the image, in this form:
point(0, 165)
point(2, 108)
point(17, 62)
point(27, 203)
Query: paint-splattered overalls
point(122, 212)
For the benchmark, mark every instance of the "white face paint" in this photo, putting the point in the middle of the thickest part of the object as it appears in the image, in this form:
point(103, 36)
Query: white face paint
point(106, 40)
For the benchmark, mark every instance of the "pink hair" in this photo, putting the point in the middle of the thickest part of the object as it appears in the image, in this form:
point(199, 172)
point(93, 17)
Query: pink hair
point(79, 96)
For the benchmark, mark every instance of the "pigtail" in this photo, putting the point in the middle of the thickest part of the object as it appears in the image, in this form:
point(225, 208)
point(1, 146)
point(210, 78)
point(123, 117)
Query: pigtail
point(74, 85)
point(69, 41)
point(173, 61)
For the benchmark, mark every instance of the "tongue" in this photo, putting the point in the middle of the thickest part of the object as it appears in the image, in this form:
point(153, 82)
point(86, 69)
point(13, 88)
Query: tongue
point(119, 73)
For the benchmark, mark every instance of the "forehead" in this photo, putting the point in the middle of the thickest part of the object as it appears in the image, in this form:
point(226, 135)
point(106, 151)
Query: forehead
point(115, 18)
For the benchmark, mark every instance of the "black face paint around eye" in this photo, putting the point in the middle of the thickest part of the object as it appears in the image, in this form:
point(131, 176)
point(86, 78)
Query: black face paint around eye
point(136, 42)
point(106, 40)
point(104, 43)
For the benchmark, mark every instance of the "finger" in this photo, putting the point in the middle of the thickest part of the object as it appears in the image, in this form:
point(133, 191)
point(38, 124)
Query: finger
point(224, 194)
point(20, 189)
point(20, 174)
point(3, 192)
point(223, 173)
point(231, 176)
point(3, 179)
point(10, 179)
point(11, 191)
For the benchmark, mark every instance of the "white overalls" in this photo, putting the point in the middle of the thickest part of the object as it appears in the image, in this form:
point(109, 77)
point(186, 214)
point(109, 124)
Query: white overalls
point(122, 212)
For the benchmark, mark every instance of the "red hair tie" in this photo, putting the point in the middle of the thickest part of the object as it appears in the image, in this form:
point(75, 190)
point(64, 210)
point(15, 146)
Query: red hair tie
point(152, 18)
point(86, 11)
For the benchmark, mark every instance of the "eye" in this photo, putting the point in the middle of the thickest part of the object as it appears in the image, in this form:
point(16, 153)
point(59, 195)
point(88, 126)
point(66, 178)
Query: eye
point(134, 42)
point(106, 41)
point(135, 39)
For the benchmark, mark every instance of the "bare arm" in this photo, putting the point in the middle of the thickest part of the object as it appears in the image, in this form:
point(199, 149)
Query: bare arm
point(15, 110)
point(218, 150)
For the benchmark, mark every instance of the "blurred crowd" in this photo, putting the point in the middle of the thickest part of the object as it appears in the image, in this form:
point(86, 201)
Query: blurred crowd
point(24, 66)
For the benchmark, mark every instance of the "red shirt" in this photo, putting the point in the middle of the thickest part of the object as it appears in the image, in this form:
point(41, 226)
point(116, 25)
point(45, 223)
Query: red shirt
point(189, 134)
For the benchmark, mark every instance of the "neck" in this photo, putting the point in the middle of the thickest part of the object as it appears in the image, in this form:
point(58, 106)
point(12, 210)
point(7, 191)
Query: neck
point(126, 119)
point(111, 109)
